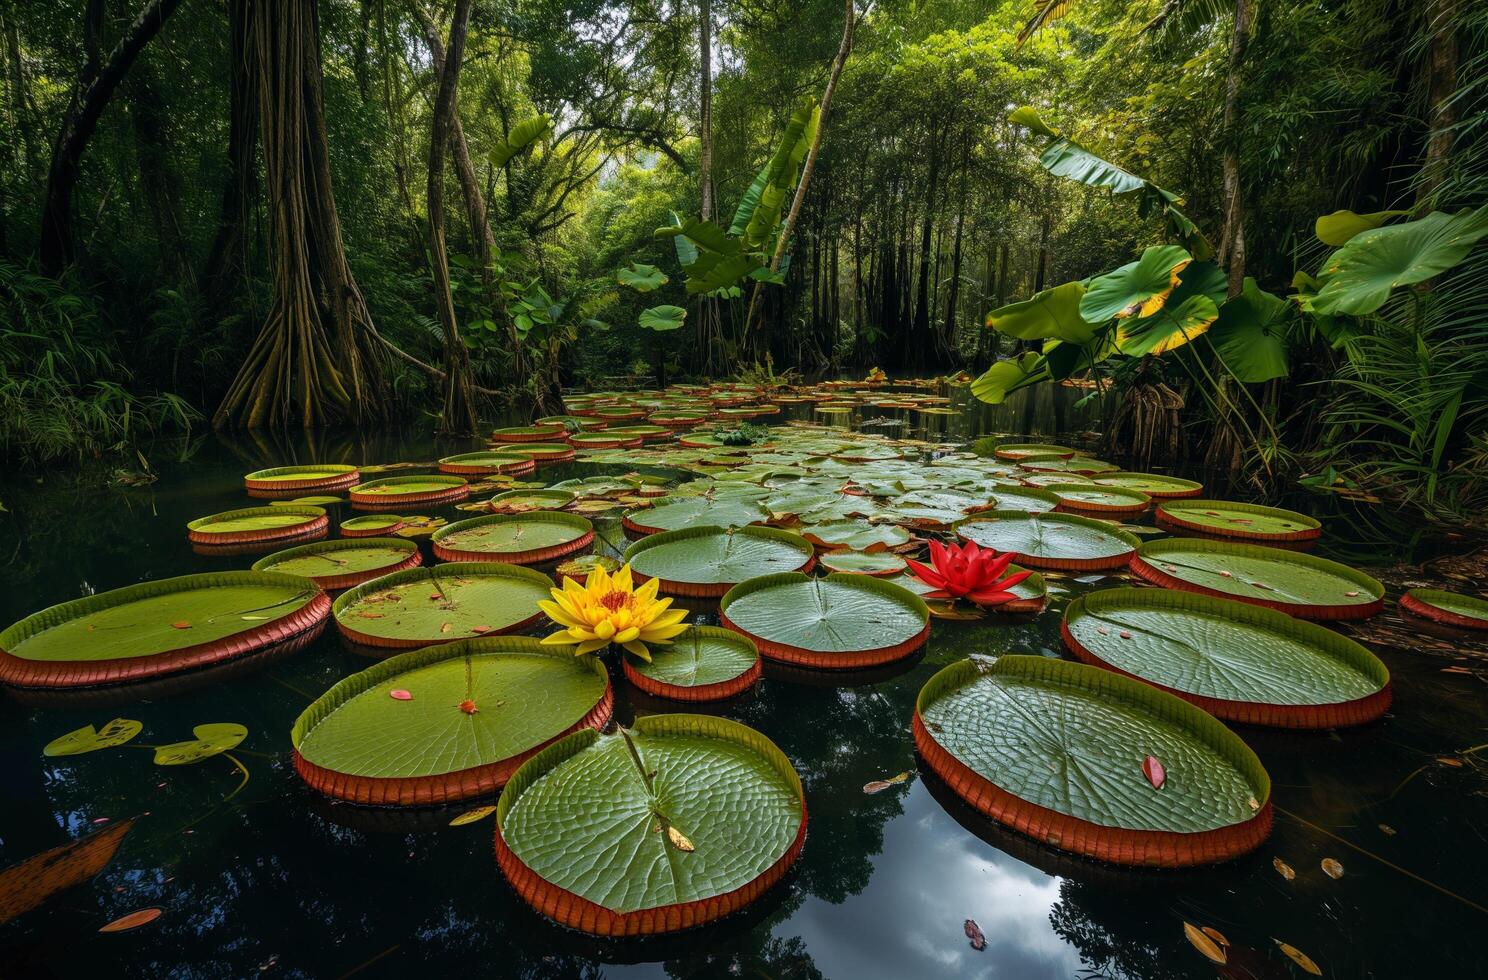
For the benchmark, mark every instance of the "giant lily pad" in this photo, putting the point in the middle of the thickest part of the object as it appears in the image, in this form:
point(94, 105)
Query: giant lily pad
point(881, 563)
point(857, 535)
point(420, 606)
point(1468, 612)
point(1025, 450)
point(371, 526)
point(448, 722)
point(1238, 662)
point(521, 539)
point(486, 462)
point(843, 621)
point(542, 453)
point(394, 491)
point(1104, 501)
point(522, 501)
point(528, 434)
point(1226, 518)
point(342, 564)
point(158, 628)
point(292, 481)
point(1303, 585)
point(1154, 485)
point(703, 663)
point(1063, 751)
point(1055, 541)
point(708, 561)
point(676, 822)
point(674, 514)
point(256, 524)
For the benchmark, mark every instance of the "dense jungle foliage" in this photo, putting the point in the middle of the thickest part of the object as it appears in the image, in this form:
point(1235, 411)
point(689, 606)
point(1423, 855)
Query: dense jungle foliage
point(1246, 226)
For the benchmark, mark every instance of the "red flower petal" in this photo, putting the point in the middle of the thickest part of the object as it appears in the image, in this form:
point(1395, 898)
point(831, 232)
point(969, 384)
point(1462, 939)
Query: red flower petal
point(1154, 771)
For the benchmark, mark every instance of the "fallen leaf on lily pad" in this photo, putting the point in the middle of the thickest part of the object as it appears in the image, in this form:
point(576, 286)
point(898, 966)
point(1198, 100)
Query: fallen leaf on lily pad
point(399, 694)
point(679, 840)
point(132, 921)
point(89, 739)
point(1332, 868)
point(210, 740)
point(974, 933)
point(1204, 944)
point(1298, 957)
point(1154, 771)
point(879, 785)
point(181, 625)
point(471, 816)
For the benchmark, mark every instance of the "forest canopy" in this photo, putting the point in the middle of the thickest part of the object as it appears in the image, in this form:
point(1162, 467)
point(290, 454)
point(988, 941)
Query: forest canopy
point(1245, 227)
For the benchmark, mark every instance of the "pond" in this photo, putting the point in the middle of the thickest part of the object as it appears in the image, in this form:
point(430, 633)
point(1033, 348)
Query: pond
point(272, 880)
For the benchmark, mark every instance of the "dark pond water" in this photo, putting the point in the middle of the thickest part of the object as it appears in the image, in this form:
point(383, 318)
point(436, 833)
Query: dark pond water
point(277, 883)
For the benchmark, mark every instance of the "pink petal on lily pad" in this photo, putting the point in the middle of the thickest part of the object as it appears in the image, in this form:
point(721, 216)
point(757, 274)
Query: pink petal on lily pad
point(398, 694)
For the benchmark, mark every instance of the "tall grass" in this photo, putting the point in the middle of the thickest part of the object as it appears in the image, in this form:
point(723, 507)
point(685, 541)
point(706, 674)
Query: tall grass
point(63, 392)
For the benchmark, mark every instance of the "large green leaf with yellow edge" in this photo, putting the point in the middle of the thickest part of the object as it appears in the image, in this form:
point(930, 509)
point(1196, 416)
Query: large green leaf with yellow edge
point(680, 808)
point(1138, 288)
point(1052, 313)
point(1169, 328)
point(1337, 228)
point(1358, 278)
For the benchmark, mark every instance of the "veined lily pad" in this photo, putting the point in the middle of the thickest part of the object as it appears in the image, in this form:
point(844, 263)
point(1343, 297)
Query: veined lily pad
point(1103, 501)
point(1044, 480)
point(1229, 519)
point(522, 501)
point(486, 462)
point(542, 452)
point(1468, 612)
point(399, 490)
point(1154, 485)
point(342, 564)
point(1057, 541)
point(603, 440)
point(528, 433)
point(857, 535)
point(1079, 465)
point(470, 714)
point(674, 514)
point(708, 561)
point(255, 524)
point(90, 739)
point(680, 820)
point(420, 606)
point(371, 525)
point(1032, 500)
point(1303, 585)
point(703, 663)
point(1058, 750)
point(1238, 662)
point(157, 628)
point(843, 622)
point(850, 562)
point(1023, 450)
point(520, 539)
point(293, 481)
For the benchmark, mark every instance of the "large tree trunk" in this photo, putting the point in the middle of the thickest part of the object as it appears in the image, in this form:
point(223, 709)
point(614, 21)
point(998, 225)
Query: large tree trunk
point(227, 262)
point(158, 184)
point(1232, 234)
point(921, 345)
point(709, 357)
point(316, 358)
point(1441, 84)
point(459, 415)
point(954, 290)
point(95, 87)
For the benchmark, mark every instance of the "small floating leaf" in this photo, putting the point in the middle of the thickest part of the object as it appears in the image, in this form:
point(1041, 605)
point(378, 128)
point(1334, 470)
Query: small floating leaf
point(1387, 830)
point(879, 785)
point(116, 732)
point(132, 921)
point(1332, 868)
point(210, 740)
point(974, 934)
point(1201, 942)
point(1154, 771)
point(1283, 869)
point(1298, 957)
point(471, 816)
point(1216, 935)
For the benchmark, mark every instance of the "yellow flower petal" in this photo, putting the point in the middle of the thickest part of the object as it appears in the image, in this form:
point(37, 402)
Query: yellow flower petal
point(589, 647)
point(639, 649)
point(626, 635)
point(652, 633)
point(621, 580)
point(555, 614)
point(604, 630)
point(561, 638)
point(647, 592)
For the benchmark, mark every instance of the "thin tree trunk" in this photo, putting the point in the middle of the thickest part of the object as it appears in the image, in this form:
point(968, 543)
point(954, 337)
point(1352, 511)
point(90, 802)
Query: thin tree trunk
point(227, 261)
point(709, 320)
point(1232, 235)
point(95, 88)
point(954, 290)
point(459, 415)
point(1441, 69)
point(920, 326)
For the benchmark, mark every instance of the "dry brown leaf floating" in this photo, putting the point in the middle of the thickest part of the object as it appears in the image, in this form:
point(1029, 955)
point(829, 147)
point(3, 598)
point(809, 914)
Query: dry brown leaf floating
point(1200, 941)
point(132, 921)
point(679, 840)
point(1283, 869)
point(1216, 935)
point(471, 816)
point(974, 934)
point(879, 785)
point(1298, 957)
point(1332, 868)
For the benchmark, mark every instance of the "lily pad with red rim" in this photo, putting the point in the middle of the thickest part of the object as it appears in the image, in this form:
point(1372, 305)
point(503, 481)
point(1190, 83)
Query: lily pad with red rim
point(395, 491)
point(876, 563)
point(259, 524)
point(361, 741)
point(1051, 541)
point(1155, 485)
point(841, 622)
point(1115, 502)
point(487, 462)
point(371, 525)
point(344, 563)
point(293, 481)
point(676, 822)
point(1025, 450)
point(708, 560)
point(1231, 519)
point(528, 433)
point(703, 663)
point(542, 453)
point(1454, 609)
point(676, 513)
point(1302, 585)
point(422, 606)
point(1239, 662)
point(1059, 751)
point(520, 539)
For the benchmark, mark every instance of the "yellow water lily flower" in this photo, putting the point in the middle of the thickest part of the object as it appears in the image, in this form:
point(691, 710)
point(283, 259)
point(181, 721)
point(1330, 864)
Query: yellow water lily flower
point(611, 609)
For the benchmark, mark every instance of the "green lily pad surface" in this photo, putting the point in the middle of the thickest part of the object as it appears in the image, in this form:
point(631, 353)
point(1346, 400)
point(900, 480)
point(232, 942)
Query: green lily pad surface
point(1097, 498)
point(487, 461)
point(858, 535)
point(1078, 465)
point(586, 818)
point(699, 656)
point(863, 562)
point(549, 499)
point(510, 534)
point(837, 614)
point(256, 519)
point(1453, 603)
point(294, 474)
point(674, 514)
point(1047, 539)
point(446, 602)
point(1033, 500)
point(1154, 485)
point(1023, 450)
point(1223, 650)
point(372, 522)
point(1256, 573)
point(1072, 738)
point(524, 694)
point(717, 556)
point(1239, 520)
point(337, 559)
point(157, 617)
point(394, 487)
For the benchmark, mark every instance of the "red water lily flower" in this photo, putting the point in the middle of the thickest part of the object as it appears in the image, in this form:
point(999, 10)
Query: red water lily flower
point(968, 571)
